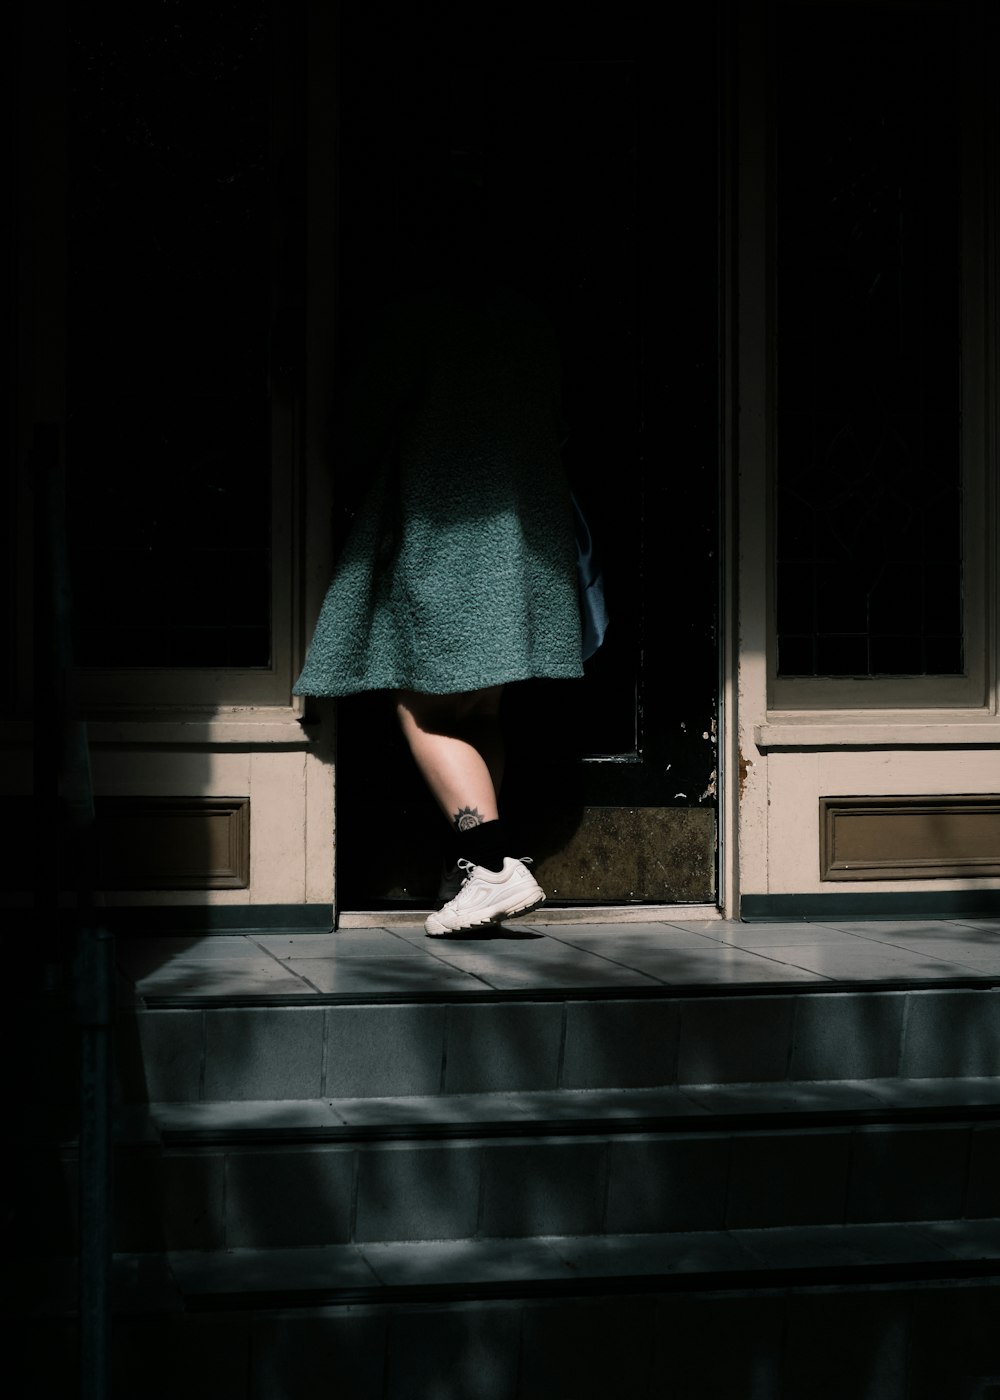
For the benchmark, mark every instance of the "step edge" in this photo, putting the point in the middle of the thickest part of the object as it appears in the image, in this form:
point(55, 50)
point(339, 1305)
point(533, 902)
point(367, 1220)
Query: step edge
point(985, 982)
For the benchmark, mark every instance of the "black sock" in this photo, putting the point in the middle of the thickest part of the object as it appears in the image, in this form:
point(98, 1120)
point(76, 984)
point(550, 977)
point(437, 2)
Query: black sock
point(450, 850)
point(484, 845)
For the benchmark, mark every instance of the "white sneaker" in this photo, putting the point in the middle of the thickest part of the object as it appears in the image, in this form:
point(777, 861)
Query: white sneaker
point(487, 897)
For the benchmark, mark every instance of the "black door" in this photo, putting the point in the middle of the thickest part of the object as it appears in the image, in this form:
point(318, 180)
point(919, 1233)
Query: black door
point(610, 139)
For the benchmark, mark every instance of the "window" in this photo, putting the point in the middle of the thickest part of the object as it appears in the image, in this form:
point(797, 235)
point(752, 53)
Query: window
point(878, 587)
point(174, 433)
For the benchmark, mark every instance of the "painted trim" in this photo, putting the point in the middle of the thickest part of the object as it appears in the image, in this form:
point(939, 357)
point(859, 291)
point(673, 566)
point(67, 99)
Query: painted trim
point(895, 904)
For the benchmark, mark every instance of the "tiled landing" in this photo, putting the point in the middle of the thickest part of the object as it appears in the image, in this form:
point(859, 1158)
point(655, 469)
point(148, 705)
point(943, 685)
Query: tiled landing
point(575, 1265)
point(560, 1160)
point(401, 961)
point(429, 1271)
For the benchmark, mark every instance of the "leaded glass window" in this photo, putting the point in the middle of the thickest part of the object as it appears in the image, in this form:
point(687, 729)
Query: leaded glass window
point(169, 455)
point(869, 495)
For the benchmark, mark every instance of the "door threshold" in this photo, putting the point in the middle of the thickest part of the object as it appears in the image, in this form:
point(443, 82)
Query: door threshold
point(578, 914)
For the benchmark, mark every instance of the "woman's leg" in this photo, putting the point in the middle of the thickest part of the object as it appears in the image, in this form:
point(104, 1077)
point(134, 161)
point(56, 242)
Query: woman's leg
point(457, 744)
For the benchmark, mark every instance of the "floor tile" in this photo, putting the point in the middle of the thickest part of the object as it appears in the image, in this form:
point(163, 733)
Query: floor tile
point(384, 1050)
point(872, 962)
point(464, 1261)
point(226, 1115)
point(507, 1046)
point(369, 942)
point(965, 1239)
point(545, 1185)
point(512, 934)
point(581, 971)
point(734, 1040)
point(732, 930)
point(951, 1031)
point(970, 1091)
point(975, 955)
point(296, 1351)
point(372, 976)
point(400, 958)
point(671, 1182)
point(889, 930)
point(417, 1191)
point(273, 1052)
point(461, 952)
point(782, 1097)
point(847, 1035)
point(221, 977)
point(907, 1172)
point(556, 1105)
point(611, 1043)
point(618, 941)
point(728, 966)
point(421, 1110)
point(764, 936)
point(823, 1246)
point(616, 1104)
point(637, 952)
point(699, 1251)
point(522, 951)
point(270, 1270)
point(445, 1353)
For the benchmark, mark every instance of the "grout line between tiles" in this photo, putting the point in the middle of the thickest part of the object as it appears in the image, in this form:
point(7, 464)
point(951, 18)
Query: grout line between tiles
point(324, 1056)
point(561, 1052)
point(904, 1029)
point(445, 1040)
point(202, 1053)
point(355, 1191)
point(225, 1200)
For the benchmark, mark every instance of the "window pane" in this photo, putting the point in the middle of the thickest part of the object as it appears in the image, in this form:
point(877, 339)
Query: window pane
point(169, 424)
point(868, 460)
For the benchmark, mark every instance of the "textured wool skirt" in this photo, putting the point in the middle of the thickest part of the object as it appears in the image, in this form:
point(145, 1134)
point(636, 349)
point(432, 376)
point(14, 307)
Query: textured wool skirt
point(459, 571)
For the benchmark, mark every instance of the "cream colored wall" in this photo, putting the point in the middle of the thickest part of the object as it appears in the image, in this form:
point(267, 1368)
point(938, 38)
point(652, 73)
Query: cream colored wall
point(782, 761)
point(196, 732)
point(795, 782)
point(291, 809)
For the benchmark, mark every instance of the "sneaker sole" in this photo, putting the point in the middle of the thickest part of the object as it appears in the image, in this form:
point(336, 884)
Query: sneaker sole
point(484, 923)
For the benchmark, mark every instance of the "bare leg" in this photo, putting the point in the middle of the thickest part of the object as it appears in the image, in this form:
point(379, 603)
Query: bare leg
point(457, 745)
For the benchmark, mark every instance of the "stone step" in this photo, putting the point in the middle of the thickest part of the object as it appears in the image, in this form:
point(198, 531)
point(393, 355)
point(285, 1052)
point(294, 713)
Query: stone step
point(697, 1108)
point(192, 1049)
point(880, 1311)
point(210, 1176)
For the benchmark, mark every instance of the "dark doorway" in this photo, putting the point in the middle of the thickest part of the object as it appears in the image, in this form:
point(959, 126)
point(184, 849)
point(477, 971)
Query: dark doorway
point(601, 143)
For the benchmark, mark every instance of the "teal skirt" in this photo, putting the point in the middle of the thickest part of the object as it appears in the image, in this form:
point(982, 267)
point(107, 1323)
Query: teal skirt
point(460, 569)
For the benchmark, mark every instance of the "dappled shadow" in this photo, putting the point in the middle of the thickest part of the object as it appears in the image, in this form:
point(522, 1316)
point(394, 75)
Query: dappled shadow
point(492, 933)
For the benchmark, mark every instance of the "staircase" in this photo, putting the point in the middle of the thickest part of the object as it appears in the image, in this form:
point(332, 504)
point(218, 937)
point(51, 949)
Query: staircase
point(746, 1188)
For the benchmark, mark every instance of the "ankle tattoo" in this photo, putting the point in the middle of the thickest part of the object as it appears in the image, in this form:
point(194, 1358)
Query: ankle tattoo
point(466, 818)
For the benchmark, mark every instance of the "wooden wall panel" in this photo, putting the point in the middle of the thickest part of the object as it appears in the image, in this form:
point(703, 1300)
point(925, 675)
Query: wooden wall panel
point(909, 837)
point(174, 843)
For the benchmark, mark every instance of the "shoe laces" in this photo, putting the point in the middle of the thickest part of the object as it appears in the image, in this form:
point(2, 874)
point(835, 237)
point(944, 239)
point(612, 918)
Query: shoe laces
point(468, 866)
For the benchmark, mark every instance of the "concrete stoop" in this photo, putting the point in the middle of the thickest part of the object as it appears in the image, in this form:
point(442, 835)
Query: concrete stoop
point(741, 1193)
